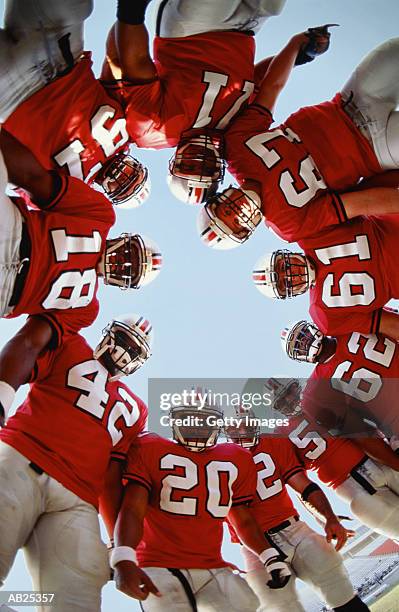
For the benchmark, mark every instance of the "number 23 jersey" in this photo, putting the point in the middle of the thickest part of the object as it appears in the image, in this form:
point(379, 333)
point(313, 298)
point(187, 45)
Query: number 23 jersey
point(75, 418)
point(190, 495)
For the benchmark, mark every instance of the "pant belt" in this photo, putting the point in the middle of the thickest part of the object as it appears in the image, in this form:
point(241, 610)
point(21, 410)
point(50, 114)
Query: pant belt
point(25, 250)
point(283, 525)
point(36, 468)
point(367, 486)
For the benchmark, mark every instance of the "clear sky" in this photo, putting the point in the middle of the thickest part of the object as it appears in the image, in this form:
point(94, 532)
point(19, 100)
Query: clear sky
point(209, 319)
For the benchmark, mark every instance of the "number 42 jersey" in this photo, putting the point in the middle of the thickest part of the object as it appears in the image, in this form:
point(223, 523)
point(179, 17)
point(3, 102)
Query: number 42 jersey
point(190, 495)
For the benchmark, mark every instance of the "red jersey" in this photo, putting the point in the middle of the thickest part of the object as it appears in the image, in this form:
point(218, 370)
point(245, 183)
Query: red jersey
point(74, 419)
point(356, 274)
point(203, 82)
point(331, 458)
point(276, 462)
point(190, 496)
point(361, 378)
point(72, 123)
point(67, 242)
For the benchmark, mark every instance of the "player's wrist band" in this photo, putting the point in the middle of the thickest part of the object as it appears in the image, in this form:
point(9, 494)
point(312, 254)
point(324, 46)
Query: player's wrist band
point(131, 12)
point(7, 394)
point(122, 553)
point(267, 554)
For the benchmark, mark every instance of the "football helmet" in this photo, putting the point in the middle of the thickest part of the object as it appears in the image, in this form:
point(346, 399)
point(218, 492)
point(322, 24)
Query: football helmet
point(248, 432)
point(303, 341)
point(285, 395)
point(131, 261)
point(229, 218)
point(200, 429)
point(197, 168)
point(125, 346)
point(283, 274)
point(125, 181)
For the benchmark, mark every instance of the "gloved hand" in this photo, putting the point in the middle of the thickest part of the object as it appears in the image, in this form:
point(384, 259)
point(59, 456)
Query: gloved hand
point(319, 41)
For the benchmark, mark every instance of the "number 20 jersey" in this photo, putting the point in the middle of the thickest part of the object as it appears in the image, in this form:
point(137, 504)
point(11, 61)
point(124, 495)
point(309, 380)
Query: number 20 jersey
point(74, 419)
point(67, 242)
point(356, 274)
point(300, 165)
point(190, 495)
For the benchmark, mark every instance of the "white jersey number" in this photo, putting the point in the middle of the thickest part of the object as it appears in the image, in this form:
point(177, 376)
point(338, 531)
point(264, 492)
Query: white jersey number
point(264, 491)
point(309, 437)
point(188, 505)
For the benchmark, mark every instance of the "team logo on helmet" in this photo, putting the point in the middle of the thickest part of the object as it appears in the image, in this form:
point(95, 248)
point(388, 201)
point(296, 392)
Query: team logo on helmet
point(302, 342)
point(131, 261)
point(125, 181)
point(283, 274)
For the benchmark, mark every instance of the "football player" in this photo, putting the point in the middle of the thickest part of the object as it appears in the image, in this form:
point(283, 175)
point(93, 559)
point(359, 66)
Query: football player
point(47, 82)
point(355, 380)
point(202, 75)
point(70, 435)
point(170, 526)
point(291, 175)
point(312, 557)
point(51, 259)
point(346, 269)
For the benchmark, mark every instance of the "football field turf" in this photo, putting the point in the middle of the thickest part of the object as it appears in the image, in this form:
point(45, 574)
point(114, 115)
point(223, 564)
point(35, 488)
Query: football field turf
point(388, 602)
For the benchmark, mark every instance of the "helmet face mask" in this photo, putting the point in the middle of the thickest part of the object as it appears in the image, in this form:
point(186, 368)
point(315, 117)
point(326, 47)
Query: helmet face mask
point(303, 342)
point(199, 434)
point(246, 434)
point(229, 218)
point(125, 346)
point(125, 181)
point(130, 261)
point(286, 395)
point(283, 274)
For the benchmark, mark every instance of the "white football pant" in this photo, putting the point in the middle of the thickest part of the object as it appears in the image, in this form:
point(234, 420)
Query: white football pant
point(59, 534)
point(215, 590)
point(379, 510)
point(374, 86)
point(40, 40)
point(179, 18)
point(10, 240)
point(312, 560)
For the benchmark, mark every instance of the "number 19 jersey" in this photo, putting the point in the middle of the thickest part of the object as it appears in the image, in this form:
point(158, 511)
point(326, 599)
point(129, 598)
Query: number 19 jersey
point(190, 495)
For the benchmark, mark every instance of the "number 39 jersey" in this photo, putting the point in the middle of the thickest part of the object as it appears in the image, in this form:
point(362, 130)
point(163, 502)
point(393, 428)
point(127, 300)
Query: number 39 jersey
point(276, 462)
point(361, 378)
point(67, 242)
point(203, 82)
point(356, 274)
point(190, 495)
point(72, 123)
point(74, 419)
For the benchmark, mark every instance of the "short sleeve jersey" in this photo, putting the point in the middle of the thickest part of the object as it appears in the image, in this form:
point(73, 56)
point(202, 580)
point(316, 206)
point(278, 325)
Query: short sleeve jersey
point(67, 241)
point(362, 378)
point(74, 419)
point(276, 462)
point(356, 274)
point(190, 495)
point(72, 123)
point(296, 201)
point(331, 458)
point(203, 82)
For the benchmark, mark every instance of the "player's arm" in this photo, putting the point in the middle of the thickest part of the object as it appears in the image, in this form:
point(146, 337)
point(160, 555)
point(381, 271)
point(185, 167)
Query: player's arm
point(313, 496)
point(129, 578)
point(18, 358)
point(371, 202)
point(252, 537)
point(127, 49)
point(389, 323)
point(25, 171)
point(378, 450)
point(111, 497)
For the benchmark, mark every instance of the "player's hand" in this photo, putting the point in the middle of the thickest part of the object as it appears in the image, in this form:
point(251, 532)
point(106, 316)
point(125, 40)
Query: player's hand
point(317, 43)
point(132, 581)
point(335, 531)
point(279, 572)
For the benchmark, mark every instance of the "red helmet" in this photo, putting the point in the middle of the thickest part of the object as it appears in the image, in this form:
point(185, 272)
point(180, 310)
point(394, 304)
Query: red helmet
point(125, 181)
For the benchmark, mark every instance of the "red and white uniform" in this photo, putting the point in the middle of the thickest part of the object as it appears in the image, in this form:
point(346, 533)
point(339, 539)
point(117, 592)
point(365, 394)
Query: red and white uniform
point(331, 458)
point(67, 242)
point(203, 82)
point(190, 493)
point(361, 377)
point(72, 123)
point(300, 165)
point(356, 274)
point(74, 419)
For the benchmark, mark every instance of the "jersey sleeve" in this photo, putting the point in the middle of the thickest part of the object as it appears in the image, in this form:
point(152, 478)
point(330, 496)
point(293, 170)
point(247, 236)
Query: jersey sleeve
point(245, 485)
point(289, 462)
point(69, 321)
point(120, 450)
point(338, 323)
point(136, 469)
